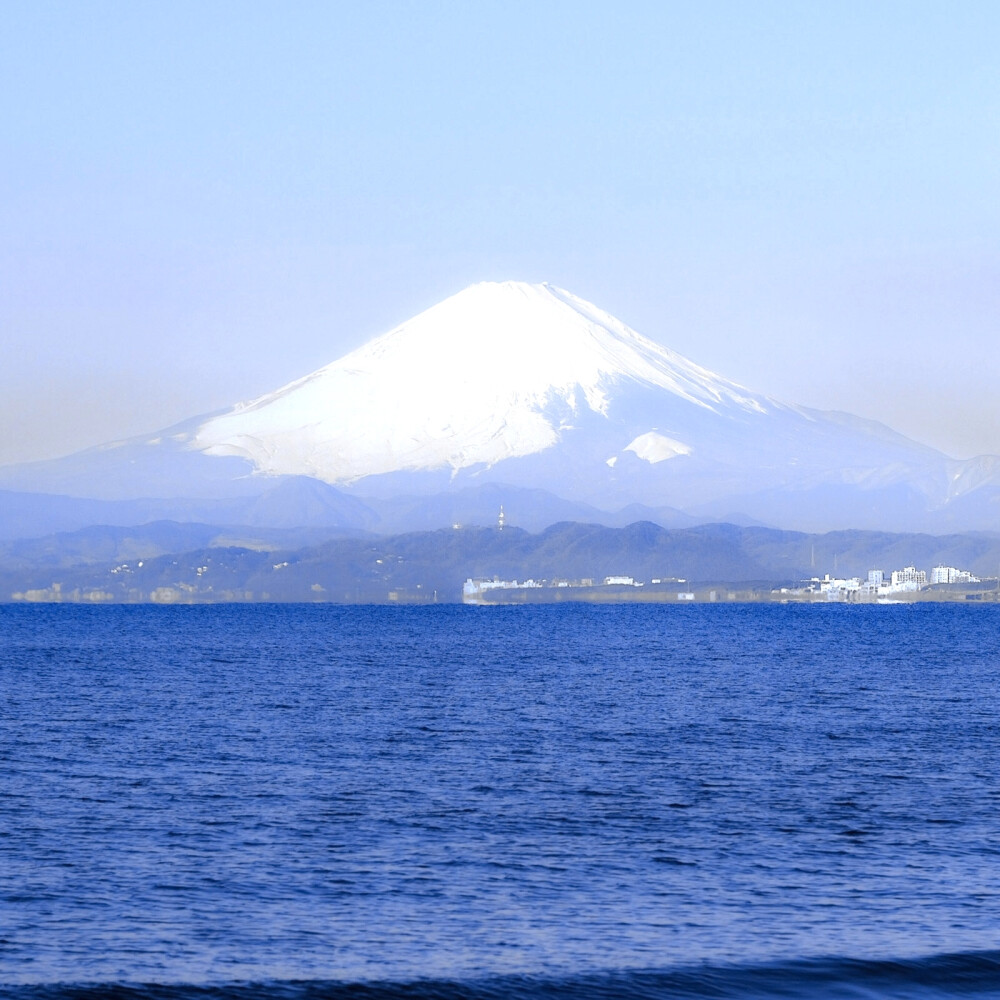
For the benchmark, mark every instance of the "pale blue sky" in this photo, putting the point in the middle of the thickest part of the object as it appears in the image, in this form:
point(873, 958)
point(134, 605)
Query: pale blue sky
point(201, 201)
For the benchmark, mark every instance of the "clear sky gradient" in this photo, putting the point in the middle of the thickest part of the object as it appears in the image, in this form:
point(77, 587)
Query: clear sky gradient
point(201, 201)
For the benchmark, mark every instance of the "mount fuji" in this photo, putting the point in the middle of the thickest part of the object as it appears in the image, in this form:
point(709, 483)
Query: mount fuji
point(528, 388)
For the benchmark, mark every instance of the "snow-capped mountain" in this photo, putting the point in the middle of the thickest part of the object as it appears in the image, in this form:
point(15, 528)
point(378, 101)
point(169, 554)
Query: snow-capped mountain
point(498, 371)
point(531, 387)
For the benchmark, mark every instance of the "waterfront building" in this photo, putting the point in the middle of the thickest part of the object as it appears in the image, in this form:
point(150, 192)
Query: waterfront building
point(949, 574)
point(909, 578)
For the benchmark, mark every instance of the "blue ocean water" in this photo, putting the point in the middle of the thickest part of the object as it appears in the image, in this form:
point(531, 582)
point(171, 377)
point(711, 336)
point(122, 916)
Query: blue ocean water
point(313, 801)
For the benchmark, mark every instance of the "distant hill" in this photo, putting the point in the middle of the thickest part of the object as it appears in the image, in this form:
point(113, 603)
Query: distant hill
point(215, 563)
point(303, 505)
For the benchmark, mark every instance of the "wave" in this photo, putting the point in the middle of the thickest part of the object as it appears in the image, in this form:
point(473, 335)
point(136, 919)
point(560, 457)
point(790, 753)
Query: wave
point(974, 974)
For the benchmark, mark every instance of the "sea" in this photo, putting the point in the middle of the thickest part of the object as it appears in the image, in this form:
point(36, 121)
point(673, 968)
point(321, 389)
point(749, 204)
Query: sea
point(487, 802)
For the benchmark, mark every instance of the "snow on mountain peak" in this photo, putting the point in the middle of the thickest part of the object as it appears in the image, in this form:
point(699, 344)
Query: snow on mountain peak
point(653, 447)
point(471, 381)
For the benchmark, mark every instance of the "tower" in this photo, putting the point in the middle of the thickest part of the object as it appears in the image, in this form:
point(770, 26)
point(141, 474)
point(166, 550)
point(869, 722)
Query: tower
point(501, 519)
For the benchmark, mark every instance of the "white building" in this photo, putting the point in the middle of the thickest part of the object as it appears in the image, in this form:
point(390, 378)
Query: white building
point(473, 588)
point(949, 574)
point(838, 589)
point(909, 578)
point(875, 578)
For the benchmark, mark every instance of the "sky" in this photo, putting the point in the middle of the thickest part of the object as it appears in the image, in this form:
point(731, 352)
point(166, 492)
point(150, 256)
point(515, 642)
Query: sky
point(202, 201)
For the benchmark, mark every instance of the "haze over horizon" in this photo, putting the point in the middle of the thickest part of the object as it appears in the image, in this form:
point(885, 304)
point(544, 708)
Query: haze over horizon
point(203, 202)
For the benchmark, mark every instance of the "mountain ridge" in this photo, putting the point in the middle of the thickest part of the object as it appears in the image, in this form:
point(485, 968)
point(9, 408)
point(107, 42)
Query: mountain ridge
point(528, 387)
